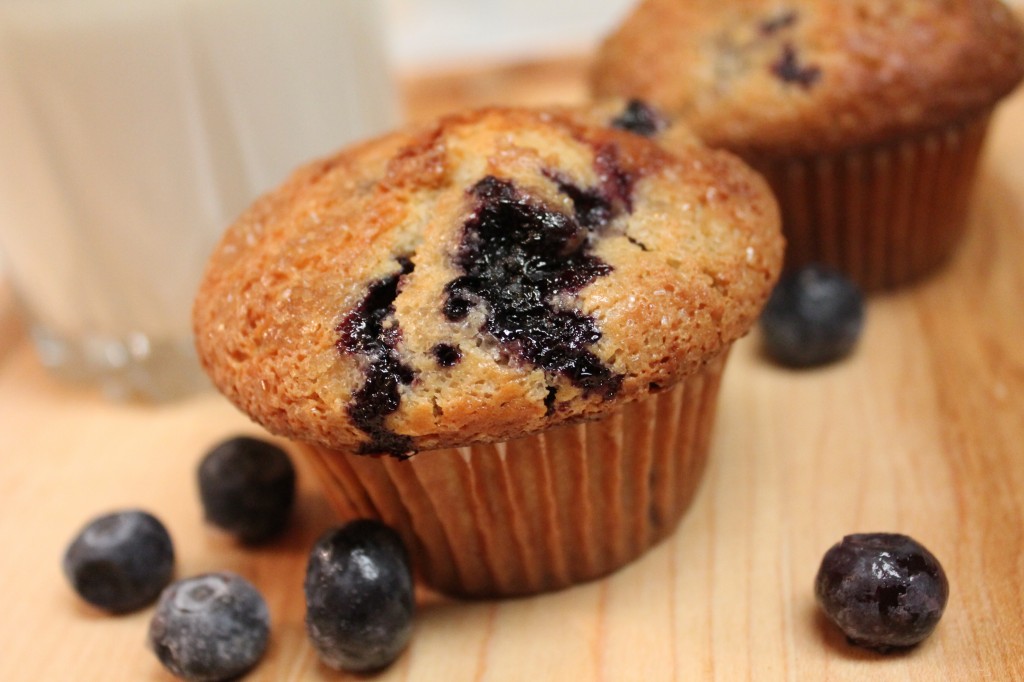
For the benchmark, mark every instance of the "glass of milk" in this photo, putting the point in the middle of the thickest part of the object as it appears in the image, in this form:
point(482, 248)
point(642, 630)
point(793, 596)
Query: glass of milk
point(132, 132)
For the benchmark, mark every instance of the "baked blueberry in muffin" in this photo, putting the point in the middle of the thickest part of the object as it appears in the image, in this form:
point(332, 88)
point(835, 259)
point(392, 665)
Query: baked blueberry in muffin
point(467, 324)
point(867, 117)
point(496, 274)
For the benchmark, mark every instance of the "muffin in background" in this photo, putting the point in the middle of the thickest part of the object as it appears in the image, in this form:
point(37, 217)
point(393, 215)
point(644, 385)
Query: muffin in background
point(501, 333)
point(867, 117)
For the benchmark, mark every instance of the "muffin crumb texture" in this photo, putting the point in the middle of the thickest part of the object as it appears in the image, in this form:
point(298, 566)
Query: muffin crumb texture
point(806, 76)
point(490, 275)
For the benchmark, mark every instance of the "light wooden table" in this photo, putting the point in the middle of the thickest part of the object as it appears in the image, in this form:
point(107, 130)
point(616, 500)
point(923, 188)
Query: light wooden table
point(921, 432)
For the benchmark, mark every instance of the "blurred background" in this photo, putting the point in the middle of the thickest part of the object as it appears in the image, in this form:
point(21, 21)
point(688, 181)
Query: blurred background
point(433, 33)
point(426, 33)
point(135, 132)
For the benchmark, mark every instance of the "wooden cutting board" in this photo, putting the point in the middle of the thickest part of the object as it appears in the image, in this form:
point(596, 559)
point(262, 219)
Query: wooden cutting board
point(921, 432)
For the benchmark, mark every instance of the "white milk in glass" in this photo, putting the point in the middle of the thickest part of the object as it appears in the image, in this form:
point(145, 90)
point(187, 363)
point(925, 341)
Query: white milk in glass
point(132, 132)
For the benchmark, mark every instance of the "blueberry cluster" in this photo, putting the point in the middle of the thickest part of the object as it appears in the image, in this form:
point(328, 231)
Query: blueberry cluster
point(884, 591)
point(216, 626)
point(517, 258)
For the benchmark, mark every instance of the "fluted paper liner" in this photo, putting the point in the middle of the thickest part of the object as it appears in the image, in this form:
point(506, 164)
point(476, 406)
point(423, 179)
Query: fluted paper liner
point(541, 512)
point(884, 215)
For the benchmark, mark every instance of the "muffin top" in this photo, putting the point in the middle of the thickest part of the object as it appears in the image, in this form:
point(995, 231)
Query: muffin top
point(796, 77)
point(483, 277)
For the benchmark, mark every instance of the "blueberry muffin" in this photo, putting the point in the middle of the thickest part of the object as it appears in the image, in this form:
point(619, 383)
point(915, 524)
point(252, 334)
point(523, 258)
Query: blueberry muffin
point(866, 116)
point(501, 332)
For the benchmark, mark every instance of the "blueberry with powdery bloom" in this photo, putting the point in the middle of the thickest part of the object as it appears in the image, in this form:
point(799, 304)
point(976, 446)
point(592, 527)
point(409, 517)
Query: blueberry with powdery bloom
point(359, 596)
point(884, 590)
point(247, 488)
point(119, 562)
point(211, 627)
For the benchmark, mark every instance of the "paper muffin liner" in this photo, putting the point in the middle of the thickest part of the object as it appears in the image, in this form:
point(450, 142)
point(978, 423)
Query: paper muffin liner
point(885, 215)
point(541, 512)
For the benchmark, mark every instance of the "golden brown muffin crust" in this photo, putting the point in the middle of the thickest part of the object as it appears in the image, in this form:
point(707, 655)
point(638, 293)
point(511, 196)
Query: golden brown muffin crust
point(807, 76)
point(685, 247)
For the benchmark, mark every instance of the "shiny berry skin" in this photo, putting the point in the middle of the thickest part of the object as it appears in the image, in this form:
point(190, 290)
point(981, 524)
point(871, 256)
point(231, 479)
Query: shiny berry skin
point(370, 330)
point(359, 596)
point(814, 316)
point(247, 488)
point(885, 591)
point(519, 258)
point(210, 627)
point(119, 562)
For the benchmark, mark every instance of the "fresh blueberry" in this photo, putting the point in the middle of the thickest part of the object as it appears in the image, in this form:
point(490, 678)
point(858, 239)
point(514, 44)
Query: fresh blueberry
point(247, 488)
point(814, 316)
point(210, 627)
point(359, 596)
point(120, 561)
point(883, 590)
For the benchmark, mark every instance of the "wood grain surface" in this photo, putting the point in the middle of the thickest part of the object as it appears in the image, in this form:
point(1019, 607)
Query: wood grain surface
point(921, 432)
